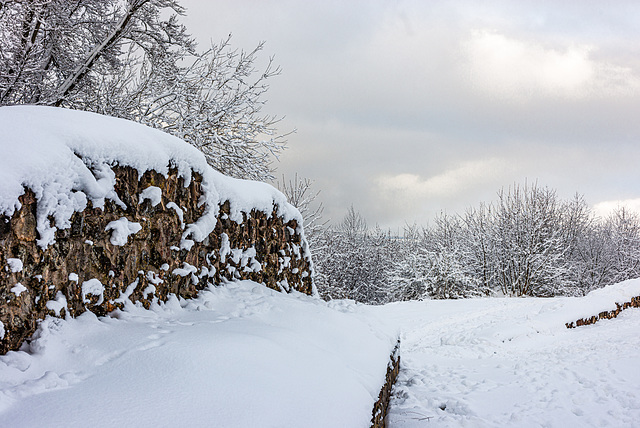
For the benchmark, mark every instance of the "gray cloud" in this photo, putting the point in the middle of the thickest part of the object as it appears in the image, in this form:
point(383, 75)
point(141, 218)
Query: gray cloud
point(406, 108)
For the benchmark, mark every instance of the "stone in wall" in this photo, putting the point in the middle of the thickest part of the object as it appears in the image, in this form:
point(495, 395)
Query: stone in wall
point(137, 252)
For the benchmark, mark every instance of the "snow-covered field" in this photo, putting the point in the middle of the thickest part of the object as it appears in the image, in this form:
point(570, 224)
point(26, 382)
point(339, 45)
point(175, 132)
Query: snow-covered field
point(512, 363)
point(242, 355)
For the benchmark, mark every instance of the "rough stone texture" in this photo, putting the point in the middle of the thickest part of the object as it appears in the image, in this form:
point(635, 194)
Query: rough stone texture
point(381, 407)
point(606, 315)
point(149, 266)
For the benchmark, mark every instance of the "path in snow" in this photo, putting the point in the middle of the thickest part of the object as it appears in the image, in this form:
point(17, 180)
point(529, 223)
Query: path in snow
point(509, 363)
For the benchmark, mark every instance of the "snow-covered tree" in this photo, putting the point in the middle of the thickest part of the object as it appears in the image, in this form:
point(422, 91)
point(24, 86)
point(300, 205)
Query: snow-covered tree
point(133, 59)
point(449, 260)
point(354, 261)
point(299, 192)
point(347, 269)
point(593, 262)
point(479, 238)
point(55, 52)
point(341, 267)
point(448, 277)
point(624, 227)
point(529, 242)
point(530, 246)
point(409, 269)
point(214, 103)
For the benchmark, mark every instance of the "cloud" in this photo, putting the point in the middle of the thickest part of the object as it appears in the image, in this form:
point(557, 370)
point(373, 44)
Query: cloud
point(519, 69)
point(448, 184)
point(405, 108)
point(605, 208)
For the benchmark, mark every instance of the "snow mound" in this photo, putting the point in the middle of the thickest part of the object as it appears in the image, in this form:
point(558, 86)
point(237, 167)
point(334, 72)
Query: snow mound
point(65, 158)
point(600, 300)
point(240, 355)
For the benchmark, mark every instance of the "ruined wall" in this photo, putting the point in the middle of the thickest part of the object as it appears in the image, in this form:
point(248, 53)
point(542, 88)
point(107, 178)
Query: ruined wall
point(606, 315)
point(381, 406)
point(85, 270)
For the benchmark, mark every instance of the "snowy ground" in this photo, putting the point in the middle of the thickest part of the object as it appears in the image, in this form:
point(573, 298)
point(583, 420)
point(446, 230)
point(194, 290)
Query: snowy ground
point(509, 363)
point(245, 356)
point(238, 356)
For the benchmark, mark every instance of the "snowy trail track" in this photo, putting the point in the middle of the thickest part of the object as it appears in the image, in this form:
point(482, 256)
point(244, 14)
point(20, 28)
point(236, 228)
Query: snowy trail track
point(510, 363)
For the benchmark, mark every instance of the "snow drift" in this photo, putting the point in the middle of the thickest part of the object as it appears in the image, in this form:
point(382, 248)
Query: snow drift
point(239, 355)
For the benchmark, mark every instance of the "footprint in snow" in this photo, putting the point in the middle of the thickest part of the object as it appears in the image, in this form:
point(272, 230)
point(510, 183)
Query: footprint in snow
point(150, 345)
point(109, 357)
point(18, 360)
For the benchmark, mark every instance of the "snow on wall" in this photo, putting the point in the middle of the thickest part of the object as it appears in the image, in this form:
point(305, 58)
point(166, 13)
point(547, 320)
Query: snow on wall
point(65, 158)
point(87, 199)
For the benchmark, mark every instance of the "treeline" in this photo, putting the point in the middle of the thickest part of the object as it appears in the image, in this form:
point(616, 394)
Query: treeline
point(529, 242)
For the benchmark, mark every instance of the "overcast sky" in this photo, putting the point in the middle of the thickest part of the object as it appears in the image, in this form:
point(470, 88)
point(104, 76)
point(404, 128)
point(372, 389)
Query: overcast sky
point(408, 108)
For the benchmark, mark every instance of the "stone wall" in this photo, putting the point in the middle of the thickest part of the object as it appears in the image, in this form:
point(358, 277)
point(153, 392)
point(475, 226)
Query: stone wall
point(94, 266)
point(606, 315)
point(381, 406)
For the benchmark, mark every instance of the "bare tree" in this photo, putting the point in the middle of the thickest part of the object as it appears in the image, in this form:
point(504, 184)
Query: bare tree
point(299, 192)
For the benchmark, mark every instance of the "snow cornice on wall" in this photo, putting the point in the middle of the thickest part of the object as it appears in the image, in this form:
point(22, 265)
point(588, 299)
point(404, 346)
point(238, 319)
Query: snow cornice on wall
point(95, 210)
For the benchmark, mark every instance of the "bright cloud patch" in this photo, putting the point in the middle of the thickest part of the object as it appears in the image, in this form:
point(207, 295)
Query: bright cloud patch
point(522, 69)
point(449, 182)
point(605, 208)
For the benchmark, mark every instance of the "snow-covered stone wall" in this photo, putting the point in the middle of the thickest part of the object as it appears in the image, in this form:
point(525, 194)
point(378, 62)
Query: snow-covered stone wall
point(96, 210)
point(381, 406)
point(634, 302)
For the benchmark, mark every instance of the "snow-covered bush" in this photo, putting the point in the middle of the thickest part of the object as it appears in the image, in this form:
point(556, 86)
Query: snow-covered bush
point(529, 242)
point(355, 261)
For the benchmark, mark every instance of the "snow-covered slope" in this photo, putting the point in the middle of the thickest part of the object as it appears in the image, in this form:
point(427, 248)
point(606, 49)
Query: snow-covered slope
point(240, 355)
point(512, 362)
